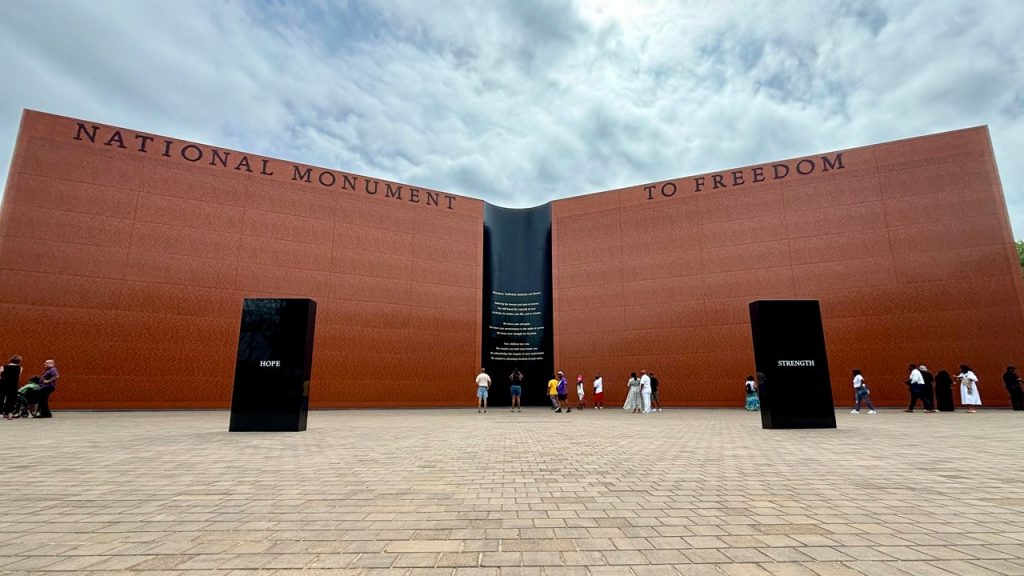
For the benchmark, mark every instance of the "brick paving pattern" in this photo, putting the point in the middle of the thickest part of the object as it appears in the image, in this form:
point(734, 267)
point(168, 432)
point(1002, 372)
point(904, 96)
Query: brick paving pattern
point(456, 493)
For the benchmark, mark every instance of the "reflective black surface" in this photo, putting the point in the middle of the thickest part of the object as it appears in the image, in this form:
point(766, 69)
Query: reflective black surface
point(517, 302)
point(275, 357)
point(788, 338)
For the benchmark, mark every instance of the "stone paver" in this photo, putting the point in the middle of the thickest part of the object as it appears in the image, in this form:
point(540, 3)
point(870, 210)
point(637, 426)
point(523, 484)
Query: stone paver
point(453, 492)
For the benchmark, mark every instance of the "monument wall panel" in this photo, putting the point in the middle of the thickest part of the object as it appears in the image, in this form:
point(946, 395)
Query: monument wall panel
point(129, 268)
point(906, 245)
point(125, 256)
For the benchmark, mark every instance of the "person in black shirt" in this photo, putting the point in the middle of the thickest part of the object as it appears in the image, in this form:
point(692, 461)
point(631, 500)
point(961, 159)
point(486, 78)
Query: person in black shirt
point(654, 394)
point(928, 390)
point(10, 374)
point(1013, 384)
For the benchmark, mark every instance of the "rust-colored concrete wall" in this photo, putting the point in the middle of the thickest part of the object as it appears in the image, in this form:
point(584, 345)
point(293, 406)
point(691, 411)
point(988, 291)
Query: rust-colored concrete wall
point(125, 256)
point(907, 246)
point(129, 268)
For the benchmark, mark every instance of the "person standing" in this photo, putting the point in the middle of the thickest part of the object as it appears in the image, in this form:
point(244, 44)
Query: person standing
point(580, 393)
point(928, 390)
point(654, 394)
point(645, 391)
point(10, 375)
point(483, 385)
point(633, 401)
point(553, 392)
point(1013, 384)
point(598, 392)
point(563, 393)
point(861, 392)
point(516, 389)
point(970, 396)
point(39, 401)
point(750, 387)
point(944, 391)
point(916, 383)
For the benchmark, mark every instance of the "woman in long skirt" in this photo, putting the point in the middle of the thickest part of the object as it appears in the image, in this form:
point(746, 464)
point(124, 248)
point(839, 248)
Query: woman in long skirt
point(969, 394)
point(750, 387)
point(633, 400)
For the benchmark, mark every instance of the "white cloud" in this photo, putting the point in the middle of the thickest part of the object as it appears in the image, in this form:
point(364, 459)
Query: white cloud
point(520, 102)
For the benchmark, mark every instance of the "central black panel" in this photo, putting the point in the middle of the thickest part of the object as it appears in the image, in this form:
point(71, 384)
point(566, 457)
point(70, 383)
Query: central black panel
point(517, 304)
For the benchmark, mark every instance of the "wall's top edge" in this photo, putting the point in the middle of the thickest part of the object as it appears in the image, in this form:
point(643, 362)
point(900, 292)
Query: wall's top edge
point(29, 114)
point(901, 141)
point(33, 121)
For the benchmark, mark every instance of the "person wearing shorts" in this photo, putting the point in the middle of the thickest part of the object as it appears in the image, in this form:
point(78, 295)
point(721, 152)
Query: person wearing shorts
point(516, 389)
point(483, 384)
point(553, 392)
point(563, 394)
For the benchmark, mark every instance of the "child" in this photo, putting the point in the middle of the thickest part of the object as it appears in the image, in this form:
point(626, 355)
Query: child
point(598, 393)
point(580, 393)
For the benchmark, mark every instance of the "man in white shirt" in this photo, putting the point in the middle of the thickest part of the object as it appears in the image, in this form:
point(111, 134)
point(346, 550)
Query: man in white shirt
point(645, 391)
point(916, 383)
point(483, 384)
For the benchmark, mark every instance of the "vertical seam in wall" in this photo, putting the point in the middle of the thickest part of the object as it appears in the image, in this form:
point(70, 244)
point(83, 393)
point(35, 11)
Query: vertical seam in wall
point(241, 234)
point(123, 305)
point(789, 244)
point(885, 216)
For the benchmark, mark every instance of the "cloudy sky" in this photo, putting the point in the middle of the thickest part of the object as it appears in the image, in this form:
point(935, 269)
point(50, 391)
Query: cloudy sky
point(523, 101)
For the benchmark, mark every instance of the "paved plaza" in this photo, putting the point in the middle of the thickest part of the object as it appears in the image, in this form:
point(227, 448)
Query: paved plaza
point(456, 493)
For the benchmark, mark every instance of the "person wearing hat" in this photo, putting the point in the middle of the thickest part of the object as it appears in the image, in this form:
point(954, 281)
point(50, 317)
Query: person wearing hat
point(1013, 386)
point(928, 390)
point(563, 393)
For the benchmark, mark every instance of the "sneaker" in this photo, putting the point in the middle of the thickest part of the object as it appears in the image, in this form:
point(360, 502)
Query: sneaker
point(659, 409)
point(477, 411)
point(512, 410)
point(854, 411)
point(568, 410)
point(557, 411)
point(872, 411)
point(911, 411)
point(519, 410)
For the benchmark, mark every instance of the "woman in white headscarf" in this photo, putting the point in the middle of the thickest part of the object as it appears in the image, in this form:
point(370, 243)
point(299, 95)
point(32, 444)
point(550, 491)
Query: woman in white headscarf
point(969, 394)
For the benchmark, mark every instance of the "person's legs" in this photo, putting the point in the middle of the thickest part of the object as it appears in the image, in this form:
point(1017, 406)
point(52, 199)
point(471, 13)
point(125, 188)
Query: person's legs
point(654, 399)
point(1017, 398)
point(646, 397)
point(856, 405)
point(915, 393)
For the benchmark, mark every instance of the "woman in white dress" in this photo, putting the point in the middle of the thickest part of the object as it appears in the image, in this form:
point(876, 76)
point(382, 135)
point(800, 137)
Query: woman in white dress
point(969, 394)
point(633, 400)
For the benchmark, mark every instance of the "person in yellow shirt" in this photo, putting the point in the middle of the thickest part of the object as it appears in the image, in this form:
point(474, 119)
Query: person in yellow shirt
point(553, 392)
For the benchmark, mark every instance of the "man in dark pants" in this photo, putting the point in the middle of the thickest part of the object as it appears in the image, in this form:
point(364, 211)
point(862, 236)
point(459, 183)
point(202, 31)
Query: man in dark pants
point(916, 383)
point(1013, 386)
point(655, 402)
point(928, 391)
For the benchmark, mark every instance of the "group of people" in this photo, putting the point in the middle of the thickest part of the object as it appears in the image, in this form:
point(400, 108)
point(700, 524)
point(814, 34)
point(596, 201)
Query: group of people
point(32, 399)
point(643, 393)
point(935, 392)
point(645, 399)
